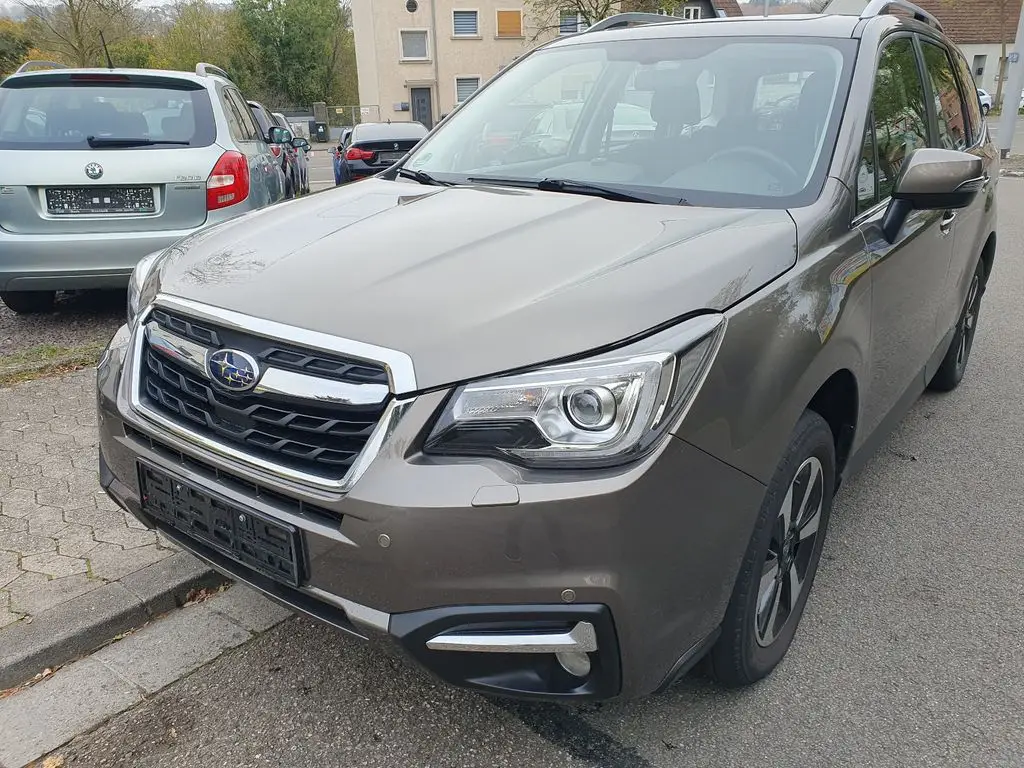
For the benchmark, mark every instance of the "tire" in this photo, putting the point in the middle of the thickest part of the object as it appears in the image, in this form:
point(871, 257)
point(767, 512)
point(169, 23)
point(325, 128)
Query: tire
point(750, 646)
point(29, 302)
point(954, 364)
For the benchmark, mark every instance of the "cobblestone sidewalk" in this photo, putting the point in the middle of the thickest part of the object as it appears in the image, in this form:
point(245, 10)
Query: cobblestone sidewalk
point(60, 536)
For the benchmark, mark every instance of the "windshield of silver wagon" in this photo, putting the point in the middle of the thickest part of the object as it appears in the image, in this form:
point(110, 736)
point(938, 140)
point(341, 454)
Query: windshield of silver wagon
point(720, 121)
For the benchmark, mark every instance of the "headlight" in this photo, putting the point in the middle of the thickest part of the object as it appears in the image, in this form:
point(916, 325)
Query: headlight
point(138, 290)
point(599, 412)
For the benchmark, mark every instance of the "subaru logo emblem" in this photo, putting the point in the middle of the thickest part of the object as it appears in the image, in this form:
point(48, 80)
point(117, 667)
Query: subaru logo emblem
point(233, 370)
point(94, 170)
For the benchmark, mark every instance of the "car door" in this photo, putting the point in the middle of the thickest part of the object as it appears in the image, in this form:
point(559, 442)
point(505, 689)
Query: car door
point(959, 126)
point(908, 275)
point(246, 135)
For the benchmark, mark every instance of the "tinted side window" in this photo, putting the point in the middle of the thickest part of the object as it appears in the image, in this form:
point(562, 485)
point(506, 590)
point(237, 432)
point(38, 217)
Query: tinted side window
point(971, 93)
point(950, 114)
point(900, 115)
point(233, 118)
point(250, 131)
point(262, 120)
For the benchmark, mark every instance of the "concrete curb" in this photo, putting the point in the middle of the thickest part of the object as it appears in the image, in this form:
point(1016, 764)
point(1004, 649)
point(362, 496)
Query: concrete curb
point(1011, 174)
point(84, 624)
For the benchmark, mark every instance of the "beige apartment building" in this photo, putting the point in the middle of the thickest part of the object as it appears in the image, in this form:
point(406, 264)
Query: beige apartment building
point(418, 64)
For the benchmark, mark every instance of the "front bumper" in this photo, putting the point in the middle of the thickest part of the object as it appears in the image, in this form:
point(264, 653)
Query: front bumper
point(420, 548)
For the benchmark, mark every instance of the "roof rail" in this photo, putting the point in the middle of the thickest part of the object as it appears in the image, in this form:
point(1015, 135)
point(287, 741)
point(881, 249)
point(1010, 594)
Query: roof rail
point(879, 7)
point(205, 70)
point(629, 20)
point(29, 65)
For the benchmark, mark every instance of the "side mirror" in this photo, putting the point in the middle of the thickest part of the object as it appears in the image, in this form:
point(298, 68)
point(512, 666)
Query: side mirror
point(300, 143)
point(933, 179)
point(278, 136)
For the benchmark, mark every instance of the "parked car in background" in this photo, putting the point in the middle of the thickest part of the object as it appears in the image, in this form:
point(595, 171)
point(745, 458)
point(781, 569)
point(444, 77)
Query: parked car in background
point(100, 167)
point(298, 148)
point(280, 148)
point(338, 153)
point(985, 99)
point(298, 165)
point(375, 147)
point(563, 427)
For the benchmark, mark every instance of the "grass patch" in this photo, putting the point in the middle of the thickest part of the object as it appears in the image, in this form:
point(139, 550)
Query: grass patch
point(47, 360)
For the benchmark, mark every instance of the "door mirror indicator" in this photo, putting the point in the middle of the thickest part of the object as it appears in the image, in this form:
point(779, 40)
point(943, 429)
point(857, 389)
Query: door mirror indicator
point(933, 179)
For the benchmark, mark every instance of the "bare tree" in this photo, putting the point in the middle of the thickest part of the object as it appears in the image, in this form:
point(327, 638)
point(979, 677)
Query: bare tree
point(72, 28)
point(547, 14)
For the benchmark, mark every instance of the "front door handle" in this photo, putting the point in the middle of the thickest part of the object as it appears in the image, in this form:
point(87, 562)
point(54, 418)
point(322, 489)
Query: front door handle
point(947, 222)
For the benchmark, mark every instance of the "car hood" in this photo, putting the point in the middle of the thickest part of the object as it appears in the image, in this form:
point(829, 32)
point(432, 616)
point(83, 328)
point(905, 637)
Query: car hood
point(471, 281)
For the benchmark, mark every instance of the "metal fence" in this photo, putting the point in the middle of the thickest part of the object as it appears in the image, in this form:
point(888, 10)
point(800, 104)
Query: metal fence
point(353, 114)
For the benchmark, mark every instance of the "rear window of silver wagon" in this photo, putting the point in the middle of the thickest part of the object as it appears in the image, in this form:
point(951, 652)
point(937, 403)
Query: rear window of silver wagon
point(82, 111)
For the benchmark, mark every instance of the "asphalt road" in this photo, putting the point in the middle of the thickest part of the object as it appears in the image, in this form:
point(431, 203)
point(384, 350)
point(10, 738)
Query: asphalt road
point(910, 652)
point(321, 168)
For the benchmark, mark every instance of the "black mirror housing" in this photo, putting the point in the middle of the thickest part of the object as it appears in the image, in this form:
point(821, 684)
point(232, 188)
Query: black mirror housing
point(278, 135)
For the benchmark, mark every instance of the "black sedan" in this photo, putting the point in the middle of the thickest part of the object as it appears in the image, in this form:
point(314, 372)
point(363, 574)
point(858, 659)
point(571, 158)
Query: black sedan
point(374, 147)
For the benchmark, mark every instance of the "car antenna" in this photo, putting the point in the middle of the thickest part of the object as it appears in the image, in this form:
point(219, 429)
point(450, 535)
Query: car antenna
point(110, 64)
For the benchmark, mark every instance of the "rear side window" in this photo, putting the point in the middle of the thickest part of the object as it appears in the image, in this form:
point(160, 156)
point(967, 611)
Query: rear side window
point(240, 120)
point(950, 112)
point(63, 115)
point(972, 96)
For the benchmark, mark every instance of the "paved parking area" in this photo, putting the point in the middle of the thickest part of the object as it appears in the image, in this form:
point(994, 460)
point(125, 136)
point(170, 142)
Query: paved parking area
point(60, 536)
point(910, 653)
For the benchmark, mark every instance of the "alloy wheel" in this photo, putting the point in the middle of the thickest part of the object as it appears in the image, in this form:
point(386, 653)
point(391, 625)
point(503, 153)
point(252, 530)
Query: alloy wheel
point(792, 543)
point(969, 322)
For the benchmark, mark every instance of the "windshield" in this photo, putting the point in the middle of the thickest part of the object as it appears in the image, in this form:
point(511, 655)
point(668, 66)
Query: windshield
point(723, 121)
point(64, 116)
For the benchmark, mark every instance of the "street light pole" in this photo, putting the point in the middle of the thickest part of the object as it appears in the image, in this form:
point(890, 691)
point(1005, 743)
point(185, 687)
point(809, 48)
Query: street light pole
point(1012, 92)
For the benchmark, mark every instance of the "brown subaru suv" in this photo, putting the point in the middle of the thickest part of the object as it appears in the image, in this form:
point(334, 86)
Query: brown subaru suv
point(563, 421)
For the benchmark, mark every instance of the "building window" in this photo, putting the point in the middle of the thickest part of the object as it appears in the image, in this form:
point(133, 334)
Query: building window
point(510, 24)
point(570, 23)
point(414, 44)
point(465, 24)
point(692, 13)
point(465, 87)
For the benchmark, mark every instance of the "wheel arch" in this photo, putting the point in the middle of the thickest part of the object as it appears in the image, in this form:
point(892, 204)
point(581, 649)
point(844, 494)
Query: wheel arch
point(837, 401)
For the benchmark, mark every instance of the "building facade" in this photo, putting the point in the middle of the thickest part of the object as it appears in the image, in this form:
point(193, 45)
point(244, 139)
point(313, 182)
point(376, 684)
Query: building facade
point(419, 64)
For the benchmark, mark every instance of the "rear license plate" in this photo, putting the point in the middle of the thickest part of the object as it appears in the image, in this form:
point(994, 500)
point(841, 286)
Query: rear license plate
point(254, 540)
point(389, 157)
point(69, 201)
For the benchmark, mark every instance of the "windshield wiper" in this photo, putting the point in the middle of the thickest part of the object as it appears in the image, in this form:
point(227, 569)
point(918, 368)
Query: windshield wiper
point(109, 141)
point(423, 178)
point(581, 188)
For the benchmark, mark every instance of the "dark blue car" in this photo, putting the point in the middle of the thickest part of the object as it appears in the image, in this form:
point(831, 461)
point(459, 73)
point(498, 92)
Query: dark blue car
point(374, 147)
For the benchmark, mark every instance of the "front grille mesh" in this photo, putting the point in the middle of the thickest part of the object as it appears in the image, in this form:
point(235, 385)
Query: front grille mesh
point(301, 434)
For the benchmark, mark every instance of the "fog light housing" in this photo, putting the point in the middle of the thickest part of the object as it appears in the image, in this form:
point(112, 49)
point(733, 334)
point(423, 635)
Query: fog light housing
point(576, 663)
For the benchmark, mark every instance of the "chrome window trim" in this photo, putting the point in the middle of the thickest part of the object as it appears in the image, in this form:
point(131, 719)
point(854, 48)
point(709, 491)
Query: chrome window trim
point(401, 374)
point(208, 447)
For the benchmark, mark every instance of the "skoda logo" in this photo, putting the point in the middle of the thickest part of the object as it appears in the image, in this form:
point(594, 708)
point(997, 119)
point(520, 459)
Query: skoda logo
point(94, 170)
point(233, 370)
point(396, 145)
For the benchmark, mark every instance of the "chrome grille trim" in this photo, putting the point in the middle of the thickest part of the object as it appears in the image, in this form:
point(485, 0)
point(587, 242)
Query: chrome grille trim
point(274, 381)
point(397, 364)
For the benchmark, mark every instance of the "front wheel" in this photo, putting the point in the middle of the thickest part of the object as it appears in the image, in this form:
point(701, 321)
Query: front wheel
point(954, 364)
point(781, 560)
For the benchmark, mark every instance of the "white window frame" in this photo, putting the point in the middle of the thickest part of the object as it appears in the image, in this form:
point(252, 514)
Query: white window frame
point(522, 22)
point(455, 84)
point(401, 46)
point(693, 13)
point(476, 35)
point(579, 23)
